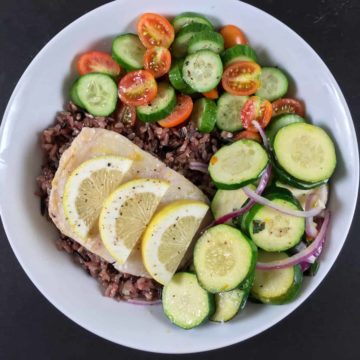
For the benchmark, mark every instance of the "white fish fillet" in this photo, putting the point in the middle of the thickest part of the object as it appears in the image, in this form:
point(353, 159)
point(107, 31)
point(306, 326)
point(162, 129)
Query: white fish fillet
point(96, 142)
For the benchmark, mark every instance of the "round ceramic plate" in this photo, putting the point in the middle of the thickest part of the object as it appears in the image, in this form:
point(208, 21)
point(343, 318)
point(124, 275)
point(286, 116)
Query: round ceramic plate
point(43, 90)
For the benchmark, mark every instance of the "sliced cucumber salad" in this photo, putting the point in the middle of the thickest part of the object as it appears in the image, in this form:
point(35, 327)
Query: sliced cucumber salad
point(269, 167)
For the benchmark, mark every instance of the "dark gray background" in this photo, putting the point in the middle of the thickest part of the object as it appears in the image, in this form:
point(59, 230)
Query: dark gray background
point(325, 326)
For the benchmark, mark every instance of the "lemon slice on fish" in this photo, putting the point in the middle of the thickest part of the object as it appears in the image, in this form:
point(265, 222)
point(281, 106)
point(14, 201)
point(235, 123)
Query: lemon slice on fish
point(127, 212)
point(88, 186)
point(169, 235)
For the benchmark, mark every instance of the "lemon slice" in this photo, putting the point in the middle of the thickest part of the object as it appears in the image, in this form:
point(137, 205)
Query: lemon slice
point(168, 236)
point(88, 186)
point(127, 212)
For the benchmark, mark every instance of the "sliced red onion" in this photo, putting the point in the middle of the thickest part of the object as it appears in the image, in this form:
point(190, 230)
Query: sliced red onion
point(308, 254)
point(198, 166)
point(143, 302)
point(310, 227)
point(262, 134)
point(261, 187)
point(263, 201)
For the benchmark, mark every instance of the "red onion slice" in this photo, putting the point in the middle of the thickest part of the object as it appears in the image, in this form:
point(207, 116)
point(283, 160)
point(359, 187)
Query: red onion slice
point(306, 255)
point(198, 166)
point(262, 134)
point(263, 201)
point(143, 302)
point(262, 185)
point(310, 227)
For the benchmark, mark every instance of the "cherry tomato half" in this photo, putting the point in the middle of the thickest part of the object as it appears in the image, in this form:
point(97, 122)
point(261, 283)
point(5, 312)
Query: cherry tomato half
point(126, 114)
point(137, 88)
point(232, 36)
point(155, 30)
point(241, 78)
point(247, 134)
point(181, 113)
point(97, 61)
point(212, 94)
point(256, 108)
point(157, 60)
point(288, 106)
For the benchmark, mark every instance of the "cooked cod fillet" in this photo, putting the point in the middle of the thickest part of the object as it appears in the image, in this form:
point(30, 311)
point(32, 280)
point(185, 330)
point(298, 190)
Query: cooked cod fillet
point(96, 142)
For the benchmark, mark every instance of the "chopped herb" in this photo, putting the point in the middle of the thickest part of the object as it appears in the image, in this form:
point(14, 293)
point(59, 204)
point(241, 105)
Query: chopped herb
point(258, 226)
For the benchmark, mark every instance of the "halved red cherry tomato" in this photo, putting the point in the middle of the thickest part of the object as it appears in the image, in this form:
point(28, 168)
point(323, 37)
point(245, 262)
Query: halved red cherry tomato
point(288, 106)
point(97, 61)
point(232, 36)
point(181, 113)
point(256, 108)
point(241, 78)
point(137, 88)
point(247, 134)
point(212, 94)
point(157, 60)
point(126, 114)
point(155, 30)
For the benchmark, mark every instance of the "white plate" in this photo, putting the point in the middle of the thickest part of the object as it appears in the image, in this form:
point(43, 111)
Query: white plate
point(42, 91)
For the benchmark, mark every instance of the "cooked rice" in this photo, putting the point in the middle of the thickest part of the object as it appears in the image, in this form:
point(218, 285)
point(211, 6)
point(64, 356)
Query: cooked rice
point(177, 147)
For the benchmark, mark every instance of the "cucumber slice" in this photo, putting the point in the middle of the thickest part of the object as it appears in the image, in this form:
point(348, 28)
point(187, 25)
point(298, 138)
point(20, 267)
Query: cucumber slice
point(204, 115)
point(276, 286)
point(228, 304)
point(176, 79)
point(73, 94)
point(202, 71)
point(227, 201)
point(305, 152)
point(290, 180)
point(98, 93)
point(188, 18)
point(206, 40)
point(228, 115)
point(238, 53)
point(223, 258)
point(238, 164)
point(185, 302)
point(279, 122)
point(128, 51)
point(273, 231)
point(182, 40)
point(273, 84)
point(161, 106)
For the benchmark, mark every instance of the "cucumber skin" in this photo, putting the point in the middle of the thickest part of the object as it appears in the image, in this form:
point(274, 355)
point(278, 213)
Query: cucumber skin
point(229, 55)
point(74, 96)
point(176, 80)
point(122, 63)
point(211, 305)
point(254, 251)
point(279, 122)
point(291, 294)
point(209, 116)
point(193, 15)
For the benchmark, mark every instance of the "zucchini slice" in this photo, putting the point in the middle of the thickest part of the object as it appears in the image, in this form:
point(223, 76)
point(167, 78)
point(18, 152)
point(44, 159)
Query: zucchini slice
point(273, 231)
point(276, 286)
point(161, 107)
point(223, 258)
point(182, 40)
point(238, 164)
point(206, 40)
point(73, 94)
point(305, 152)
point(188, 18)
point(185, 302)
point(273, 84)
point(97, 93)
point(204, 115)
point(228, 116)
point(128, 51)
point(202, 71)
point(228, 304)
point(238, 53)
point(279, 122)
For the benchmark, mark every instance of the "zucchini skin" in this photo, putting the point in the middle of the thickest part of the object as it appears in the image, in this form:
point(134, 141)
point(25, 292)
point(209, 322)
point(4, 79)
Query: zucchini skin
point(289, 296)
